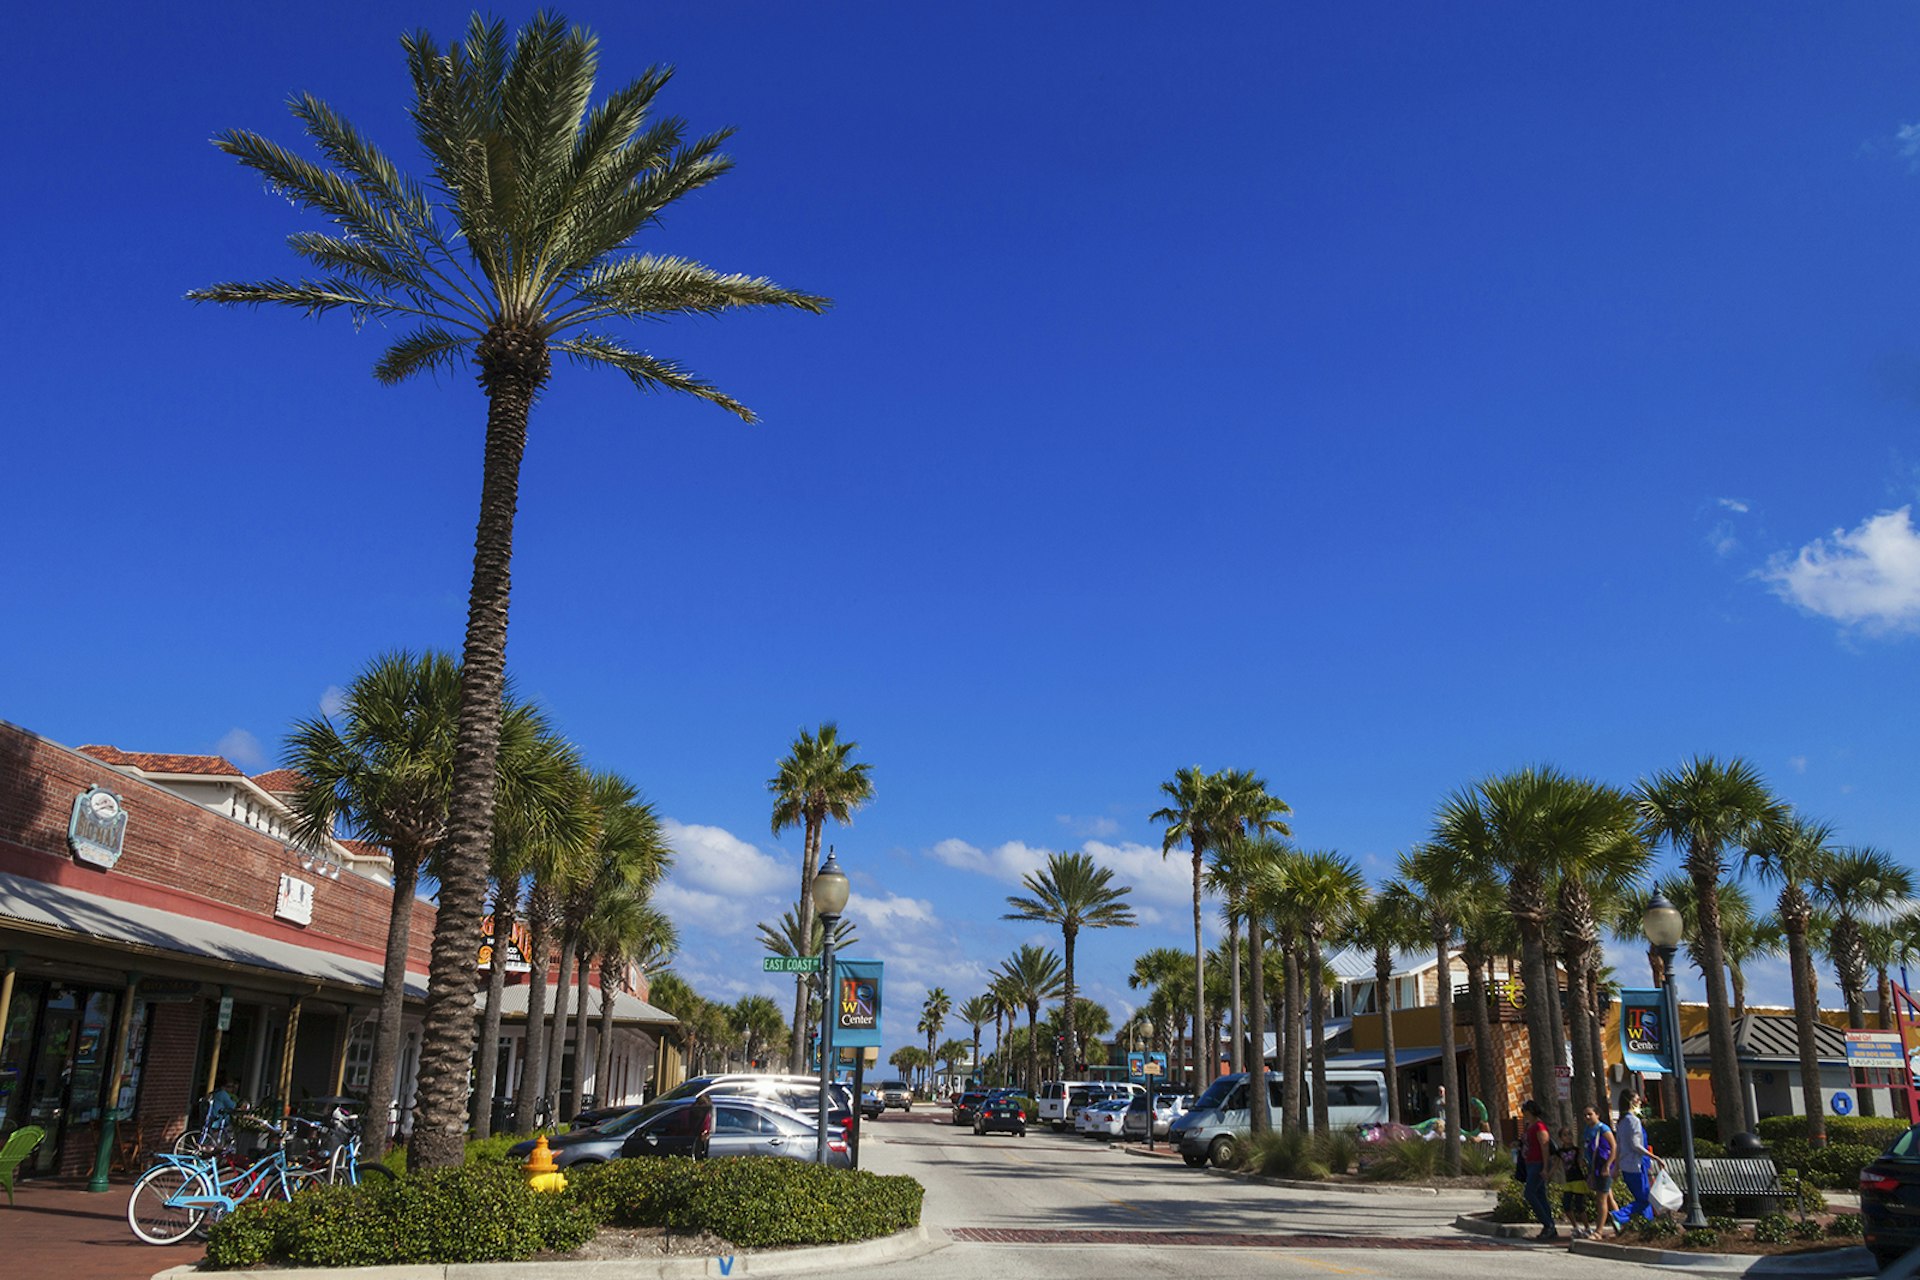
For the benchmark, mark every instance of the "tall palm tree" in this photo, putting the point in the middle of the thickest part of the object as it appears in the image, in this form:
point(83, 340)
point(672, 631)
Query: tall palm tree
point(1261, 865)
point(514, 251)
point(1071, 891)
point(817, 780)
point(1857, 887)
point(1795, 857)
point(1327, 889)
point(1445, 876)
point(1164, 972)
point(1485, 931)
point(783, 938)
point(1704, 809)
point(1600, 862)
point(383, 774)
point(1387, 924)
point(1030, 977)
point(1005, 1009)
point(975, 1013)
point(933, 1018)
point(625, 933)
point(757, 1019)
point(1245, 808)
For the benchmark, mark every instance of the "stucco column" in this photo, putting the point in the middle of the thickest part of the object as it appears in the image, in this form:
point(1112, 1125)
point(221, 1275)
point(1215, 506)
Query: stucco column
point(8, 963)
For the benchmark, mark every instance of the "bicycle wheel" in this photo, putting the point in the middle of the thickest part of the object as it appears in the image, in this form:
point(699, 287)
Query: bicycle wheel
point(363, 1174)
point(153, 1210)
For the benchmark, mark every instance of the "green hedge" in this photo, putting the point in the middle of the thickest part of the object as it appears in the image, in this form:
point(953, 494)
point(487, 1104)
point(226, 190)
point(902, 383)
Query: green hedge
point(1877, 1132)
point(483, 1212)
point(472, 1213)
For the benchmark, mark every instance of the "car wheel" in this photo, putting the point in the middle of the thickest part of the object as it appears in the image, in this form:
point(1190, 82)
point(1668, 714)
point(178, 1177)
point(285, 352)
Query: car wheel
point(1193, 1162)
point(1223, 1152)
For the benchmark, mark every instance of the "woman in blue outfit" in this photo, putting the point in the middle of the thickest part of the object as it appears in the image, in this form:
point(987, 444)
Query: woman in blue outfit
point(1637, 1161)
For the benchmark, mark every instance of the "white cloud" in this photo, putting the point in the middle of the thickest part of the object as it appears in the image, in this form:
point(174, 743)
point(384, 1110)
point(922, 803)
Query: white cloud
point(712, 912)
point(890, 914)
point(1867, 577)
point(715, 859)
point(1097, 827)
point(1797, 763)
point(1167, 880)
point(1010, 862)
point(1907, 137)
point(333, 700)
point(1736, 504)
point(243, 749)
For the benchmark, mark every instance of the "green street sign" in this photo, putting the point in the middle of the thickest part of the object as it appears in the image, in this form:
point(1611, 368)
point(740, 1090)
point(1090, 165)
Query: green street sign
point(790, 964)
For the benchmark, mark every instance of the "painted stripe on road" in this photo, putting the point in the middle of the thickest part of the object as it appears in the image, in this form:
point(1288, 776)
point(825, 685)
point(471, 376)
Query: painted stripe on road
point(1213, 1239)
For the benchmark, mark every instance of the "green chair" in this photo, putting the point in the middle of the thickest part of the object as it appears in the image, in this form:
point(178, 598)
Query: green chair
point(20, 1145)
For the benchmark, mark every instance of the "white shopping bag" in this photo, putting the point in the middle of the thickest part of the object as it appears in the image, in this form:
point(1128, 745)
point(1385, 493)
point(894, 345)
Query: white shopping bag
point(1666, 1192)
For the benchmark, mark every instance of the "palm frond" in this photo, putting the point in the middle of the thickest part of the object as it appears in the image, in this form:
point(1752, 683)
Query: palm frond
point(400, 196)
point(428, 347)
point(649, 373)
point(302, 180)
point(315, 297)
point(359, 259)
point(653, 286)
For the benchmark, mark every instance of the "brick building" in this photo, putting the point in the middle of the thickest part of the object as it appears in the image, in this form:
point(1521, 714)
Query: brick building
point(161, 931)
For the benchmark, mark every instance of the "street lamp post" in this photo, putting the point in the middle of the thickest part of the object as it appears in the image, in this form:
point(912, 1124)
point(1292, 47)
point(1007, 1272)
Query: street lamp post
point(1663, 928)
point(1146, 1029)
point(830, 890)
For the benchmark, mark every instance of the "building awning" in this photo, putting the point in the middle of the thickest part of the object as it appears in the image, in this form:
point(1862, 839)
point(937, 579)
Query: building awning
point(1377, 1061)
point(144, 930)
point(628, 1010)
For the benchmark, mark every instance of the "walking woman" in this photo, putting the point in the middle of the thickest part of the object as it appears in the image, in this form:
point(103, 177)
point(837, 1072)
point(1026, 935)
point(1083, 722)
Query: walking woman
point(1536, 1146)
point(1637, 1161)
point(1601, 1153)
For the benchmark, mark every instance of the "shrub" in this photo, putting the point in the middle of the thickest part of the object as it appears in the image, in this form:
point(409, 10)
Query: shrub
point(1340, 1150)
point(1655, 1228)
point(1701, 1238)
point(471, 1213)
point(1413, 1160)
point(493, 1148)
point(1286, 1154)
point(1805, 1196)
point(1723, 1222)
point(1665, 1134)
point(1484, 1160)
point(1775, 1228)
point(1845, 1225)
point(1836, 1166)
point(1877, 1132)
point(635, 1193)
point(1808, 1229)
point(751, 1201)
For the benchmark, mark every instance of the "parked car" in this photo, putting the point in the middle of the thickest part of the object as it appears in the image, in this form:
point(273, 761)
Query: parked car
point(1085, 1096)
point(965, 1105)
point(1890, 1200)
point(894, 1093)
point(1167, 1107)
point(600, 1115)
point(1001, 1113)
point(678, 1122)
point(1102, 1119)
point(802, 1093)
point(1219, 1121)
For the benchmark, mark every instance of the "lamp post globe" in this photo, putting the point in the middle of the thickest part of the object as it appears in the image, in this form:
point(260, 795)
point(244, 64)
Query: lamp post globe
point(1662, 925)
point(830, 889)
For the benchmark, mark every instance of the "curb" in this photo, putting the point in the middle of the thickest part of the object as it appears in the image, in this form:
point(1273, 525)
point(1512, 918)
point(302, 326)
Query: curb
point(898, 1247)
point(1334, 1188)
point(1851, 1260)
point(1475, 1226)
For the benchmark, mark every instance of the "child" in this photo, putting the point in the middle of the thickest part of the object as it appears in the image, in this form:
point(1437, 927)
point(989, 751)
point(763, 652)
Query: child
point(1573, 1192)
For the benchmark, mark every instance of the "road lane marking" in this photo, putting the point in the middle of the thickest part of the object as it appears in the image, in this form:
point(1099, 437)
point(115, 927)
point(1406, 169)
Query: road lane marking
point(1315, 1262)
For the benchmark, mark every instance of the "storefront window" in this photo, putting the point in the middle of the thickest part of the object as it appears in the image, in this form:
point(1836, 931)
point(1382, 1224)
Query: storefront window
point(91, 1048)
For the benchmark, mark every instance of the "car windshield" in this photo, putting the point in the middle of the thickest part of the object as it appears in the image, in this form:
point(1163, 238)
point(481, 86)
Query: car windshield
point(1216, 1093)
point(1906, 1146)
point(622, 1125)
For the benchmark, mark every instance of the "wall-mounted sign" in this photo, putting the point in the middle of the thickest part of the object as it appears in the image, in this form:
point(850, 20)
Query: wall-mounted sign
point(98, 828)
point(295, 904)
point(519, 945)
point(226, 1012)
point(1880, 1049)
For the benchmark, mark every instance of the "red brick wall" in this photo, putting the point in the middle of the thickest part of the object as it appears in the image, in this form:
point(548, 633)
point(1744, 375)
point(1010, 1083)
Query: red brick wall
point(167, 1086)
point(180, 856)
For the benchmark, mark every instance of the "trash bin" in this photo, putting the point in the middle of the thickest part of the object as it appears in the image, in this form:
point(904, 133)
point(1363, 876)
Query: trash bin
point(502, 1115)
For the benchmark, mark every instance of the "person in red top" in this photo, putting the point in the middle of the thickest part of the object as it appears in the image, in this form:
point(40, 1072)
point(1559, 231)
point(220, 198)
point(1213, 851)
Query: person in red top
point(1535, 1148)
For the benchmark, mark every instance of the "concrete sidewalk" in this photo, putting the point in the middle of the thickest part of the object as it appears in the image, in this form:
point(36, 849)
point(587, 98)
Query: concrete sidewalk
point(57, 1228)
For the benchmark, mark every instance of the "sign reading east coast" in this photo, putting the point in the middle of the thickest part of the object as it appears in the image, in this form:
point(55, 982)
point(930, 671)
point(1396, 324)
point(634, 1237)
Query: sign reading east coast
point(98, 828)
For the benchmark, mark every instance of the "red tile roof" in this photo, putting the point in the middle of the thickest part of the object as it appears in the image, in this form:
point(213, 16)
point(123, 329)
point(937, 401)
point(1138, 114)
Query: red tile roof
point(156, 762)
point(279, 781)
point(362, 849)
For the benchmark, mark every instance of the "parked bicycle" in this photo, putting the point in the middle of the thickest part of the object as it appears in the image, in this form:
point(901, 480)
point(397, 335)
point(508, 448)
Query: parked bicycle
point(215, 1134)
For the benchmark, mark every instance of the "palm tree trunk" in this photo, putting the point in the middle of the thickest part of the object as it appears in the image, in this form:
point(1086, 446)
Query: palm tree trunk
point(1237, 1055)
point(1805, 1012)
point(1317, 1008)
point(1557, 1043)
point(557, 1031)
point(381, 1085)
point(1033, 1050)
point(1585, 1070)
point(1729, 1099)
point(533, 1051)
point(1067, 1021)
point(513, 364)
point(487, 1062)
point(1449, 1055)
point(1886, 998)
point(603, 1057)
point(1493, 1076)
point(580, 1035)
point(1738, 978)
point(1291, 1093)
point(1202, 1070)
point(1383, 1002)
point(810, 863)
point(1262, 1117)
point(1535, 978)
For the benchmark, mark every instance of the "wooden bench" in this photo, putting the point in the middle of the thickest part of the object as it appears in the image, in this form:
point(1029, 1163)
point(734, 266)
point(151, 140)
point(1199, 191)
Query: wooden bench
point(1751, 1182)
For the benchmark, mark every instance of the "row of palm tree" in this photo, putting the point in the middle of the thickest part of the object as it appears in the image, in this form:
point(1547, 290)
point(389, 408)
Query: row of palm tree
point(516, 250)
point(575, 853)
point(722, 1037)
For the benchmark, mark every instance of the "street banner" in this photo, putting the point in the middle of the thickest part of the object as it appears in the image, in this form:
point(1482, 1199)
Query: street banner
point(856, 1003)
point(1644, 1034)
point(1141, 1065)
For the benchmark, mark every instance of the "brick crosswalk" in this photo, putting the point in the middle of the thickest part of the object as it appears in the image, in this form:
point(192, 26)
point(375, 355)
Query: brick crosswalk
point(1210, 1239)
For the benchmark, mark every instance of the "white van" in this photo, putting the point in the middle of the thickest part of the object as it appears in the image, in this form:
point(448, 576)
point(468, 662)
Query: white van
point(1219, 1120)
point(1059, 1100)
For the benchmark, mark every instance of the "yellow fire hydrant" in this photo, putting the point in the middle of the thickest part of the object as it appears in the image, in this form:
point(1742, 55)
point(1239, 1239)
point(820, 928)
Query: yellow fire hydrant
point(542, 1173)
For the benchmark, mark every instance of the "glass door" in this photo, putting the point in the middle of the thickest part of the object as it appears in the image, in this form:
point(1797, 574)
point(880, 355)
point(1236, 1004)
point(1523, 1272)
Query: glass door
point(50, 1066)
point(16, 1051)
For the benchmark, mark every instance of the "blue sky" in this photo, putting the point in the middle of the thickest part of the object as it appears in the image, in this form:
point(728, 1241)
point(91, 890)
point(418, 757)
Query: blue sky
point(1377, 396)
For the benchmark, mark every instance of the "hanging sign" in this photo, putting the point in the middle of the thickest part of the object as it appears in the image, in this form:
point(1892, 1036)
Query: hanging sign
point(856, 1003)
point(519, 945)
point(97, 829)
point(295, 901)
point(1644, 1033)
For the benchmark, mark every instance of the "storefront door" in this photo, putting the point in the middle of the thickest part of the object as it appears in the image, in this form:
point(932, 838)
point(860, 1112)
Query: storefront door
point(64, 1072)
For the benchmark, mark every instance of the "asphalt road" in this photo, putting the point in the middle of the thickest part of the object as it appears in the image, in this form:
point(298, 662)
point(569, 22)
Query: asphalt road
point(1051, 1205)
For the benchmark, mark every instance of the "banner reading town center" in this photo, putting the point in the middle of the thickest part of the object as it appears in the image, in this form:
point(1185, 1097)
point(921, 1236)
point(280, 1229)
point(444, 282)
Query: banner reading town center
point(1643, 1030)
point(856, 1003)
